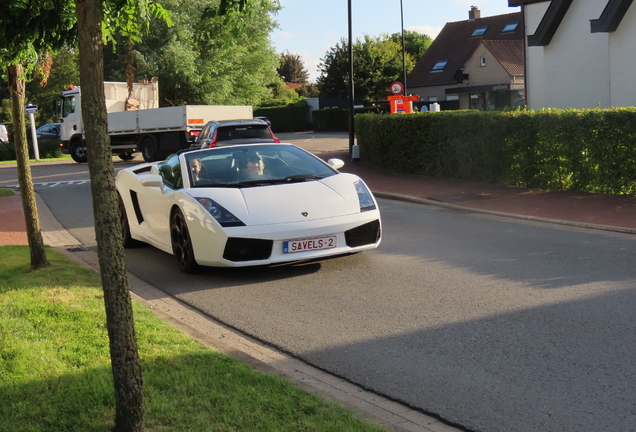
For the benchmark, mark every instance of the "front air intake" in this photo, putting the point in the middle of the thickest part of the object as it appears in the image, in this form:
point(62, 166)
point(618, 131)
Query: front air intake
point(245, 249)
point(369, 233)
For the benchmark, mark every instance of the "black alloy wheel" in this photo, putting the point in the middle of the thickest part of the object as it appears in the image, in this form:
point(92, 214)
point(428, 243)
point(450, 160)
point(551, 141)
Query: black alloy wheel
point(182, 243)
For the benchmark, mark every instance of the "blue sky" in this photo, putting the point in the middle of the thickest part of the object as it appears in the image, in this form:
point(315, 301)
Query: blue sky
point(310, 27)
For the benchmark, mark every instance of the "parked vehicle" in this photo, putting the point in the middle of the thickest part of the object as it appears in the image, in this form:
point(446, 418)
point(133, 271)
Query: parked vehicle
point(216, 133)
point(210, 207)
point(135, 123)
point(265, 119)
point(4, 135)
point(48, 135)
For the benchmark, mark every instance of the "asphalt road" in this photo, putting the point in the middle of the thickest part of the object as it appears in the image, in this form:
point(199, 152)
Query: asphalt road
point(491, 323)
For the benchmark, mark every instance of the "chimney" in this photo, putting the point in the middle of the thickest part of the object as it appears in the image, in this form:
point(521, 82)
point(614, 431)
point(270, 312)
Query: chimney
point(474, 13)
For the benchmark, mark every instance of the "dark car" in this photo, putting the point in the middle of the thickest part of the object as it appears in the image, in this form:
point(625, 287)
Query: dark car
point(48, 135)
point(224, 132)
point(265, 119)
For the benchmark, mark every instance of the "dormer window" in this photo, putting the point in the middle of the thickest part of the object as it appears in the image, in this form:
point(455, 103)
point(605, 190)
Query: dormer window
point(479, 31)
point(510, 27)
point(439, 66)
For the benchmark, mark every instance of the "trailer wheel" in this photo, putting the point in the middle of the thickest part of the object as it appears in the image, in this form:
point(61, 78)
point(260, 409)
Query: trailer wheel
point(78, 152)
point(126, 156)
point(149, 149)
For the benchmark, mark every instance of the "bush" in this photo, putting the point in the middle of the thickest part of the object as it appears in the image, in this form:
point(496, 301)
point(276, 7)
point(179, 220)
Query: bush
point(50, 150)
point(585, 150)
point(337, 119)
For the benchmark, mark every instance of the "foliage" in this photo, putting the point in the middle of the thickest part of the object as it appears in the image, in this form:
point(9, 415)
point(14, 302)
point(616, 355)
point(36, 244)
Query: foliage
point(377, 62)
point(292, 69)
point(30, 29)
point(584, 150)
point(200, 60)
point(415, 44)
point(337, 119)
point(48, 150)
point(291, 118)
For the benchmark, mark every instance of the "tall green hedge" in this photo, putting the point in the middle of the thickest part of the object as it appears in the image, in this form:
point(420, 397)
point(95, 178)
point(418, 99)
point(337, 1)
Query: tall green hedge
point(337, 119)
point(7, 151)
point(585, 150)
point(285, 119)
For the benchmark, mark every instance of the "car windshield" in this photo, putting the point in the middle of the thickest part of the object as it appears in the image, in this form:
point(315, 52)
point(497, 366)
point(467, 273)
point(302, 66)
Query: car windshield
point(254, 165)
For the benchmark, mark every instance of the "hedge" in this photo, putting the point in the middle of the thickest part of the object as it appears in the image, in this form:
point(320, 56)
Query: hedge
point(287, 119)
point(584, 150)
point(337, 119)
point(49, 150)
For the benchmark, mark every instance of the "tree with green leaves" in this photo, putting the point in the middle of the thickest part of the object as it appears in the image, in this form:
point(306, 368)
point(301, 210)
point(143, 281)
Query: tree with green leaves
point(292, 69)
point(200, 60)
point(29, 32)
point(377, 62)
point(415, 43)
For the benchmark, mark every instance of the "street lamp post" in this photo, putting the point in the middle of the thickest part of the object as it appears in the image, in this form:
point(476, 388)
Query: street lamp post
point(351, 112)
point(403, 46)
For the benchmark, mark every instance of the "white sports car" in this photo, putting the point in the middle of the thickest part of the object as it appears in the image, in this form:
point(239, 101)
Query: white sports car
point(246, 205)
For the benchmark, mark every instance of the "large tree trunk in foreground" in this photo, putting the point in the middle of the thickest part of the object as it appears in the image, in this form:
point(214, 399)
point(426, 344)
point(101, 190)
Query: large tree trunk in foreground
point(29, 207)
point(126, 367)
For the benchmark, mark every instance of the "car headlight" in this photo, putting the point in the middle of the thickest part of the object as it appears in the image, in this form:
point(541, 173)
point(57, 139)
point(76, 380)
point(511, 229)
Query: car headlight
point(220, 213)
point(364, 196)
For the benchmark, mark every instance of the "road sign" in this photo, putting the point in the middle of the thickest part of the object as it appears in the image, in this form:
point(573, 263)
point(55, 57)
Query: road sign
point(397, 88)
point(31, 109)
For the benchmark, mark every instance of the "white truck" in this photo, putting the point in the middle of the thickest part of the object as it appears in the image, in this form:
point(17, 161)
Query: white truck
point(136, 123)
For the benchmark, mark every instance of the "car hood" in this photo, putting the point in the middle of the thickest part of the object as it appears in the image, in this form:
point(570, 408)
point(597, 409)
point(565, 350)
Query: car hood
point(287, 203)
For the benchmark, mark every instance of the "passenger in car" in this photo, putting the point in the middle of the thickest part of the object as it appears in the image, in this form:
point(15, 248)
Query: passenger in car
point(198, 171)
point(254, 168)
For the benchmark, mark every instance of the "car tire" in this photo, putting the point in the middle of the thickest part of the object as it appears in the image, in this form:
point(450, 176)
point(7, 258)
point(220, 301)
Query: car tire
point(126, 156)
point(78, 152)
point(128, 241)
point(149, 149)
point(182, 243)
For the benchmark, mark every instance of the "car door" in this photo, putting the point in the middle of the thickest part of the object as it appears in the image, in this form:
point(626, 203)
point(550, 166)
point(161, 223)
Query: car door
point(156, 202)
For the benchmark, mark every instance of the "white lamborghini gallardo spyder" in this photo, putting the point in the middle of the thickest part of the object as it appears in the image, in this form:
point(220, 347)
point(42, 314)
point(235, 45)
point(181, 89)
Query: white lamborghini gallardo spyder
point(247, 205)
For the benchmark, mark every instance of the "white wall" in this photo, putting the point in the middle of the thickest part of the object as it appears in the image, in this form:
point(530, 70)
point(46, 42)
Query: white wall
point(575, 70)
point(535, 69)
point(622, 44)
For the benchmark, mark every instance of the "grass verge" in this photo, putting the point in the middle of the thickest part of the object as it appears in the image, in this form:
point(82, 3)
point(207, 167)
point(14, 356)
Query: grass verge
point(55, 369)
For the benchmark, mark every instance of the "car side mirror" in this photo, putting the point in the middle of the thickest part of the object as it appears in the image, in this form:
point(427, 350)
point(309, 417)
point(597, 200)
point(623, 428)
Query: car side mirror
point(335, 163)
point(152, 180)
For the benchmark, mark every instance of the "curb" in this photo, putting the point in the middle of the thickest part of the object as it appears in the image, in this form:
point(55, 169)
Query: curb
point(427, 201)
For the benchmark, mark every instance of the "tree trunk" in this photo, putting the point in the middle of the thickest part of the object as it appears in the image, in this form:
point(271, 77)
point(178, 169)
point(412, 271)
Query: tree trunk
point(29, 206)
point(126, 367)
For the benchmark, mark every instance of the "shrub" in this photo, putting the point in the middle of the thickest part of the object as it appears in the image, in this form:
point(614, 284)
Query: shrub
point(586, 150)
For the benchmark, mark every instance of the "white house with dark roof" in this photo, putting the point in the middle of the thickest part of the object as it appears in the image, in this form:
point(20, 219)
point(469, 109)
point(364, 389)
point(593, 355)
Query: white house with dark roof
point(579, 54)
point(477, 63)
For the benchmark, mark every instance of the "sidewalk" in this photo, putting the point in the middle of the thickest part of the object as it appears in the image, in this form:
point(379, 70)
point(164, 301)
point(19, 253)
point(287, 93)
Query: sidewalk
point(607, 212)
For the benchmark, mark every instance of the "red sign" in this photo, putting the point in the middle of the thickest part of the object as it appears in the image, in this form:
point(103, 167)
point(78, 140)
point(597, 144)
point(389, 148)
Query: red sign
point(397, 88)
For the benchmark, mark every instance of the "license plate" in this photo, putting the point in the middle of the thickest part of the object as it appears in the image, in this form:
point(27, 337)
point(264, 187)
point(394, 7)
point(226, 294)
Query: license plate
point(310, 244)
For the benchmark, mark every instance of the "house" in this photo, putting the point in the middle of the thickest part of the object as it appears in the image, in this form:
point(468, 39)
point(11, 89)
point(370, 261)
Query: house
point(476, 64)
point(579, 54)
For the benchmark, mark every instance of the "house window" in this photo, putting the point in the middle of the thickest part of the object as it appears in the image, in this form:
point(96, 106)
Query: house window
point(510, 27)
point(482, 61)
point(479, 31)
point(452, 97)
point(432, 98)
point(439, 66)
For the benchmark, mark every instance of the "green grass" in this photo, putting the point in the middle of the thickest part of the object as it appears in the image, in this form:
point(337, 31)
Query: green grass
point(55, 369)
point(61, 158)
point(6, 192)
